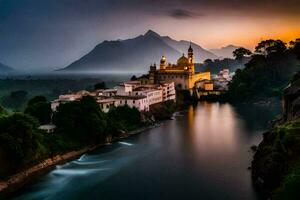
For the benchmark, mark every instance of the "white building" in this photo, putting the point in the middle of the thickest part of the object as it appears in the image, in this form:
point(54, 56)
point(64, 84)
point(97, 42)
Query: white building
point(127, 87)
point(153, 95)
point(106, 92)
point(169, 92)
point(138, 102)
point(131, 93)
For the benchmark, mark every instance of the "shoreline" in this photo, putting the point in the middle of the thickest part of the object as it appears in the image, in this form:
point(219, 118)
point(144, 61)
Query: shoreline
point(17, 181)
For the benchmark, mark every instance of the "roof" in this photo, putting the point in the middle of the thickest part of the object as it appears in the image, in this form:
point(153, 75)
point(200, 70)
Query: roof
point(110, 100)
point(130, 97)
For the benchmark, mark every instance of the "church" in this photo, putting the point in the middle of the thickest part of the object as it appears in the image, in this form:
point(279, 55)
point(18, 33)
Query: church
point(182, 73)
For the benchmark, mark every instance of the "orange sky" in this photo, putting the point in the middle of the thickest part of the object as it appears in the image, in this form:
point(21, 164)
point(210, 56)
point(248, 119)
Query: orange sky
point(216, 32)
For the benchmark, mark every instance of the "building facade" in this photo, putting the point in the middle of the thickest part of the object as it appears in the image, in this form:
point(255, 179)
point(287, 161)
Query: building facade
point(182, 73)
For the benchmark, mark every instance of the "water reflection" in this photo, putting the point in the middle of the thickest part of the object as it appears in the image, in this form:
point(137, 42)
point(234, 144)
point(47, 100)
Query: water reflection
point(202, 154)
point(215, 128)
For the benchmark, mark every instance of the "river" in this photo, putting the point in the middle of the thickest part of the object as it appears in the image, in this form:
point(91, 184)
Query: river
point(203, 153)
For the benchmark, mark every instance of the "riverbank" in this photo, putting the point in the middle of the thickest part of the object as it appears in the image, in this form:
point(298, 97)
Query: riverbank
point(17, 181)
point(276, 163)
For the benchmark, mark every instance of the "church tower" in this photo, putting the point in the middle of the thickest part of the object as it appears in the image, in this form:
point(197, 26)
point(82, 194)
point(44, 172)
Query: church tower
point(191, 54)
point(191, 59)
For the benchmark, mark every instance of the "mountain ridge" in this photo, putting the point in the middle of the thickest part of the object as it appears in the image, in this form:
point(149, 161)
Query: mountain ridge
point(5, 68)
point(136, 53)
point(224, 52)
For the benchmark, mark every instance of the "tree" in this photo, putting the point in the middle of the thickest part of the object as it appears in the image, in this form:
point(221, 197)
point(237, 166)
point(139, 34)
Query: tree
point(81, 121)
point(37, 99)
point(100, 86)
point(2, 111)
point(208, 61)
point(20, 139)
point(240, 53)
point(295, 47)
point(39, 108)
point(268, 47)
point(15, 100)
point(133, 78)
point(123, 118)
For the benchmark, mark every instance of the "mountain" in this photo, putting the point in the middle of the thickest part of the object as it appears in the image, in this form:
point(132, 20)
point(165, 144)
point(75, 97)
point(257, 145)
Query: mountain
point(5, 68)
point(135, 54)
point(199, 53)
point(224, 52)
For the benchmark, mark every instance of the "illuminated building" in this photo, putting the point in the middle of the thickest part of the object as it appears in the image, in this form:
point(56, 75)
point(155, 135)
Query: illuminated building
point(182, 73)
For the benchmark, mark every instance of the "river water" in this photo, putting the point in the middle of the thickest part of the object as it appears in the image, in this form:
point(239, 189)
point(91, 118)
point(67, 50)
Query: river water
point(203, 153)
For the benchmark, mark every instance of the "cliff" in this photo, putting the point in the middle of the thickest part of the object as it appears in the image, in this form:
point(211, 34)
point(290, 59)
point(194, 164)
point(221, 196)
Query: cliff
point(276, 163)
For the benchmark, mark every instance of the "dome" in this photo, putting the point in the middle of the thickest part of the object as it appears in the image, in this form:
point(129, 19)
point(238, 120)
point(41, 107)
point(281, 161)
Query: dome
point(163, 60)
point(182, 61)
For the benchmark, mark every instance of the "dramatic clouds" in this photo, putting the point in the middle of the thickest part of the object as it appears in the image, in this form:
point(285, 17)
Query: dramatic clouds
point(42, 34)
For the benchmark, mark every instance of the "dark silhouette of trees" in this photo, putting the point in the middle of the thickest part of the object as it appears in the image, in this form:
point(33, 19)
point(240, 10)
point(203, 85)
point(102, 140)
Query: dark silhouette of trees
point(268, 47)
point(267, 73)
point(39, 108)
point(133, 78)
point(295, 47)
point(241, 52)
point(81, 121)
point(99, 86)
point(2, 111)
point(20, 142)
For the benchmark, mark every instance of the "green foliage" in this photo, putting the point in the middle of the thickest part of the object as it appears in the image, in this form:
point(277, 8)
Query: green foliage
point(266, 74)
point(215, 66)
point(277, 161)
point(290, 186)
point(16, 99)
point(164, 110)
point(39, 108)
point(81, 120)
point(3, 111)
point(20, 140)
point(123, 118)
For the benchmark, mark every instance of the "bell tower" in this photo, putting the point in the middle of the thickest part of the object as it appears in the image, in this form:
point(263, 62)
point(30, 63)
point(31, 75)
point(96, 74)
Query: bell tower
point(191, 59)
point(191, 54)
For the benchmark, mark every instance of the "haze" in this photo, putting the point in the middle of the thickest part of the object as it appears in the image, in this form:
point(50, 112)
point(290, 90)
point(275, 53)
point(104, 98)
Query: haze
point(50, 34)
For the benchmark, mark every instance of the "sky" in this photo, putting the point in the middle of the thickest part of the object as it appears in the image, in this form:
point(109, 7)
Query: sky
point(51, 34)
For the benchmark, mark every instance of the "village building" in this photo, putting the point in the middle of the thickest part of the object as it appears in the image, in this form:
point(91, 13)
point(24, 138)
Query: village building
point(131, 93)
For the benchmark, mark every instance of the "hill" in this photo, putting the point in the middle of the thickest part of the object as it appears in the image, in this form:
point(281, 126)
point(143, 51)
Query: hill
point(135, 54)
point(5, 68)
point(224, 52)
